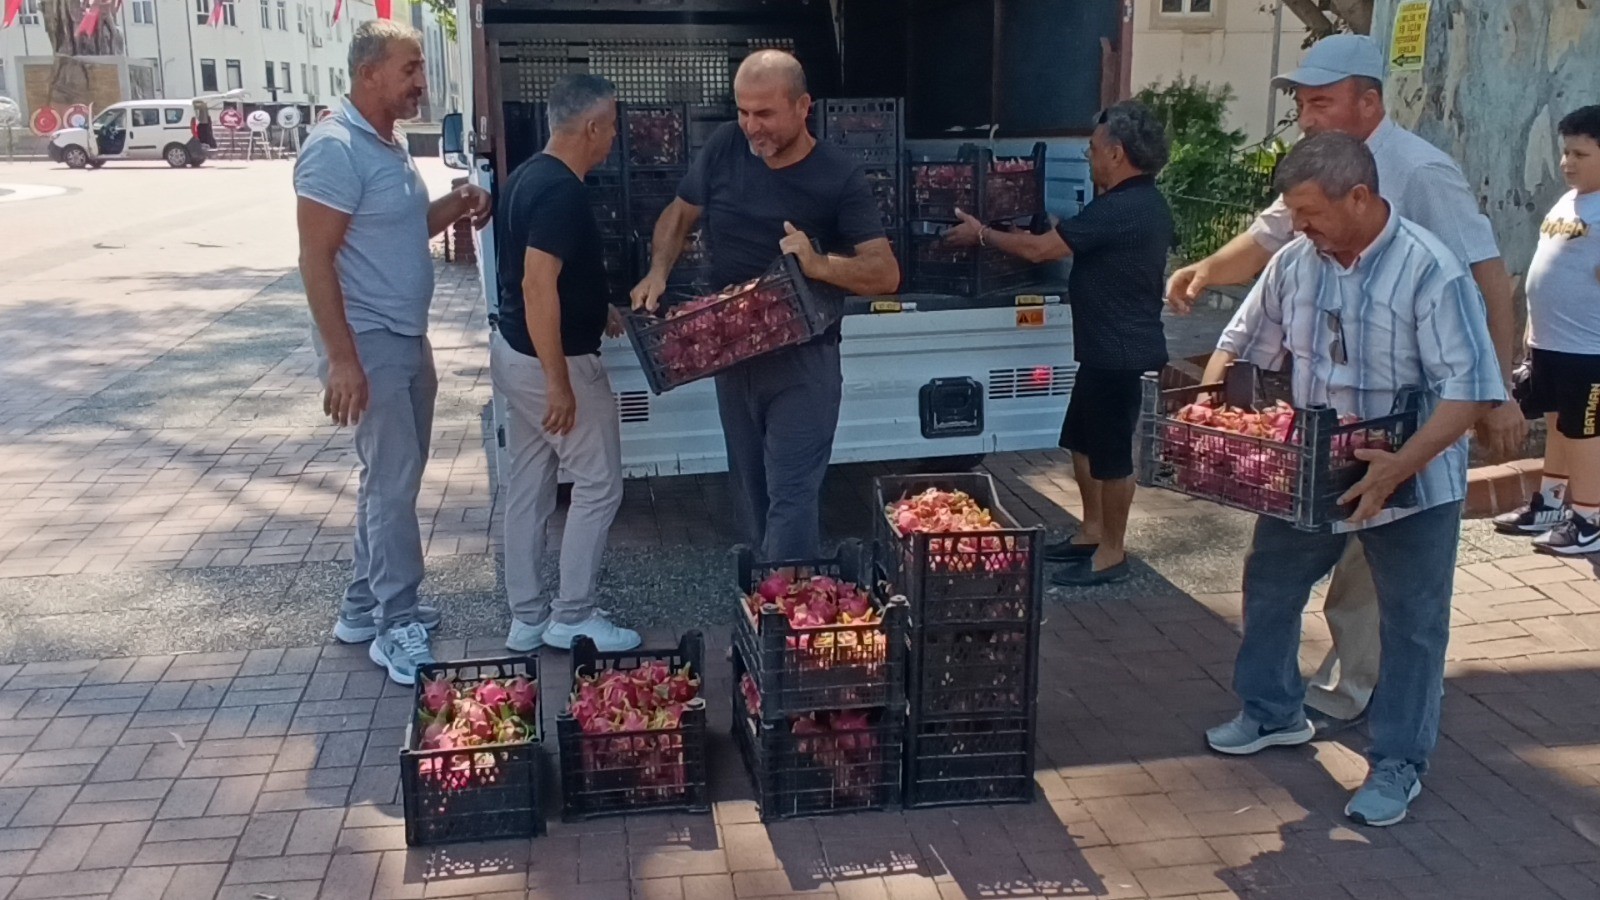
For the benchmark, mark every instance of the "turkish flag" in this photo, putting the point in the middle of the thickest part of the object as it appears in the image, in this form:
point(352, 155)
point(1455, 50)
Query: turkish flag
point(385, 8)
point(216, 14)
point(338, 7)
point(13, 7)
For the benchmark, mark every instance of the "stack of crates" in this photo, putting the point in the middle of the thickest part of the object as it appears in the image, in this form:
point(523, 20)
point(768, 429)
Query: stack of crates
point(1006, 192)
point(873, 132)
point(975, 603)
point(819, 713)
point(657, 142)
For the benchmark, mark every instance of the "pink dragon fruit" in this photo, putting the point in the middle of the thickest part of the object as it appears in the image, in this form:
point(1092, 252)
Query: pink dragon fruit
point(856, 604)
point(491, 694)
point(523, 695)
point(773, 587)
point(634, 720)
point(438, 695)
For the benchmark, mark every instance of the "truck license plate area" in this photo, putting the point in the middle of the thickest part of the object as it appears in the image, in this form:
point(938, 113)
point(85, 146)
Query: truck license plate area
point(951, 407)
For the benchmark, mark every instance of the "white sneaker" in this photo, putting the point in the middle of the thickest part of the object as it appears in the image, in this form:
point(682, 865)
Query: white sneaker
point(402, 650)
point(524, 637)
point(608, 638)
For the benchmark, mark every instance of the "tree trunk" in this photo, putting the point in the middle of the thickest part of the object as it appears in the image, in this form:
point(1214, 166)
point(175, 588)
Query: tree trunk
point(69, 75)
point(1496, 79)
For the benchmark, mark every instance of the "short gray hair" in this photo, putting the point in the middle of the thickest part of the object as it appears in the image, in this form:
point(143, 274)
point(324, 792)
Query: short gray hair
point(1141, 134)
point(574, 96)
point(370, 44)
point(1333, 161)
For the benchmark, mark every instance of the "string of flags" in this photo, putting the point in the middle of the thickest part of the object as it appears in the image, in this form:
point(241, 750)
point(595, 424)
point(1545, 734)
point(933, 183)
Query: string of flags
point(93, 10)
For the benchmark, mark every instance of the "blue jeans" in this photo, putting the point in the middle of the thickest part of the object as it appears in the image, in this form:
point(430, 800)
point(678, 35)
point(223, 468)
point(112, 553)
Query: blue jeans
point(1413, 564)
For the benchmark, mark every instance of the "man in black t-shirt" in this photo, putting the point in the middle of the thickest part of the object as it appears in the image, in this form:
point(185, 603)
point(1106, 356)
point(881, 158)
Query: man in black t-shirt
point(767, 187)
point(1118, 245)
point(545, 360)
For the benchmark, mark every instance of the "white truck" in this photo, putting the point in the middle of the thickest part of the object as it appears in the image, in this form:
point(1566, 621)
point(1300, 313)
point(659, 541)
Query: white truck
point(935, 377)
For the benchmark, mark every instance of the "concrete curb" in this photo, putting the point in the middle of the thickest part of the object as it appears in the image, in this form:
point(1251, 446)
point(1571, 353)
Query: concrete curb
point(1492, 490)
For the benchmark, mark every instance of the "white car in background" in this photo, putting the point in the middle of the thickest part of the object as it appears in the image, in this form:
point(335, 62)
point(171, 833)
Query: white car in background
point(178, 131)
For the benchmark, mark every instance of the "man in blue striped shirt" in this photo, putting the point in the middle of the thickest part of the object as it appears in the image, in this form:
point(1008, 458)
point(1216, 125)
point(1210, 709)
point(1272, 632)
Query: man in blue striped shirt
point(1366, 303)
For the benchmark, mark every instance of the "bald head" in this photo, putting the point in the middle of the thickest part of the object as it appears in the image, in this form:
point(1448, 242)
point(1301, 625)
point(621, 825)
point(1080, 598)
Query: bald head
point(772, 67)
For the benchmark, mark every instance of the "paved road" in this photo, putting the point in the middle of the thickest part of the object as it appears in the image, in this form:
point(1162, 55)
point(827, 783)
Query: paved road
point(166, 487)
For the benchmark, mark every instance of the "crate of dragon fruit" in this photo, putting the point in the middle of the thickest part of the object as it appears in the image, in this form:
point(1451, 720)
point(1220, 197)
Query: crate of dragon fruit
point(655, 135)
point(708, 334)
point(946, 543)
point(1217, 442)
point(471, 766)
point(633, 736)
point(818, 762)
point(1012, 187)
point(818, 634)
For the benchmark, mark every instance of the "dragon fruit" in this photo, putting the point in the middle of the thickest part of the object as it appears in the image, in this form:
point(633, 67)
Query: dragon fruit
point(491, 694)
point(523, 695)
point(774, 587)
point(438, 695)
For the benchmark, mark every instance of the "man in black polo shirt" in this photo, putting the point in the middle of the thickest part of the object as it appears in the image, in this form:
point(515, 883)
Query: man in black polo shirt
point(1118, 245)
point(545, 360)
point(767, 187)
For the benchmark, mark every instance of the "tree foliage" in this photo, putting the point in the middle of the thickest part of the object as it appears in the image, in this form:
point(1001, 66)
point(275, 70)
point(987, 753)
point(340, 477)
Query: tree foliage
point(445, 12)
point(1339, 15)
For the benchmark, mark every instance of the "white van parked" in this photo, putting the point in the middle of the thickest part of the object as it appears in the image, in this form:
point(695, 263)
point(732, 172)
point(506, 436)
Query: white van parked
point(178, 131)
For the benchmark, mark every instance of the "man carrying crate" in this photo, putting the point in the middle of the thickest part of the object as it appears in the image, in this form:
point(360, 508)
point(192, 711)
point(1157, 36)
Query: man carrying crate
point(768, 188)
point(1366, 304)
point(1339, 88)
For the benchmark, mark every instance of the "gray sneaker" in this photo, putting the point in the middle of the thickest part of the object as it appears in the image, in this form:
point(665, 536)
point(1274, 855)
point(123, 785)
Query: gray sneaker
point(523, 637)
point(364, 628)
point(607, 637)
point(402, 650)
point(1243, 736)
point(1386, 795)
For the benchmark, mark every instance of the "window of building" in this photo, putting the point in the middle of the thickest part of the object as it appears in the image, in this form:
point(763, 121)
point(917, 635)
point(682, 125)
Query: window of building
point(1187, 15)
point(308, 86)
point(228, 16)
point(266, 15)
point(272, 75)
point(2, 76)
point(333, 82)
point(208, 74)
point(202, 11)
point(144, 12)
point(300, 17)
point(315, 82)
point(173, 115)
point(288, 86)
point(144, 118)
point(30, 12)
point(1186, 7)
point(283, 15)
point(235, 75)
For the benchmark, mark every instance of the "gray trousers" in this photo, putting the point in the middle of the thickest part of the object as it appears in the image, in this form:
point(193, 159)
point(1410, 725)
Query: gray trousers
point(391, 441)
point(591, 454)
point(779, 413)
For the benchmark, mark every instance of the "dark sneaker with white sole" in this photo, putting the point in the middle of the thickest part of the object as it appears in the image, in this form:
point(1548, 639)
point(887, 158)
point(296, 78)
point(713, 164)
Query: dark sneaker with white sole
point(1575, 536)
point(1386, 795)
point(1534, 517)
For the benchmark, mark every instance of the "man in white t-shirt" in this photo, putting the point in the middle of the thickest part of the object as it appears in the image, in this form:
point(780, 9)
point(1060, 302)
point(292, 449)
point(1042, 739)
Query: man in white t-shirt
point(1339, 87)
point(1564, 332)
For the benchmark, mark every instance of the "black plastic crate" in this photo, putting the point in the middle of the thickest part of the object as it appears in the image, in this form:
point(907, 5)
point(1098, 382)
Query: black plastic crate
point(952, 761)
point(655, 135)
point(938, 189)
point(1298, 480)
point(650, 192)
point(608, 199)
point(825, 668)
point(1012, 187)
point(871, 129)
point(887, 191)
point(484, 793)
point(970, 670)
point(938, 268)
point(780, 309)
point(635, 771)
point(618, 260)
point(813, 774)
point(987, 578)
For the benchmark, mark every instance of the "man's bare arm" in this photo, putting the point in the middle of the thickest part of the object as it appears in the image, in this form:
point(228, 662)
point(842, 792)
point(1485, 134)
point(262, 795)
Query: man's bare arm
point(666, 245)
point(466, 200)
point(871, 272)
point(1502, 430)
point(322, 230)
point(542, 304)
point(1035, 248)
point(1239, 260)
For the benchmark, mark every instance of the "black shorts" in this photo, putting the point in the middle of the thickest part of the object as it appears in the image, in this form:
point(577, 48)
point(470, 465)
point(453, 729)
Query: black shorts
point(1101, 419)
point(1567, 384)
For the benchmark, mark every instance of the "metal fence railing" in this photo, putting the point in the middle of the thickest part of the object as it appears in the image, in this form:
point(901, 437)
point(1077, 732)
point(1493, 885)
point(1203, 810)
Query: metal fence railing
point(1209, 213)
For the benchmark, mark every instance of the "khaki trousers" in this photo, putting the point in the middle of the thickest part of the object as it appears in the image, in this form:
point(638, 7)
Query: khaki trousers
point(1343, 684)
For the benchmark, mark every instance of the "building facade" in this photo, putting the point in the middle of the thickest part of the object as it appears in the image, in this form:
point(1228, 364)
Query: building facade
point(1241, 43)
point(279, 52)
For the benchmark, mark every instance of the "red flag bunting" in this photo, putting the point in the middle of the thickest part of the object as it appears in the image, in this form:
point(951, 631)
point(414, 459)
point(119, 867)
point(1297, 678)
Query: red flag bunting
point(13, 7)
point(338, 7)
point(216, 14)
point(90, 21)
point(385, 8)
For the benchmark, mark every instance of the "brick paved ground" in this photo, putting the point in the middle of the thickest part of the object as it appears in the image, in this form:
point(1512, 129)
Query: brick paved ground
point(163, 425)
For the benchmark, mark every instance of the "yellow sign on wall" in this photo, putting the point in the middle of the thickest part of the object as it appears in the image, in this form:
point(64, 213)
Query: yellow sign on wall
point(1409, 44)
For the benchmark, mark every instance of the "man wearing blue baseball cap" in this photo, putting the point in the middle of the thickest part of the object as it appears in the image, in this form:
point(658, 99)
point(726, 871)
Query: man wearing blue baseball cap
point(1339, 88)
